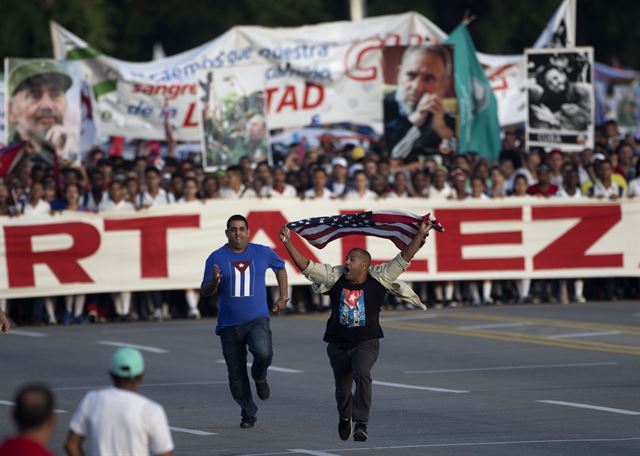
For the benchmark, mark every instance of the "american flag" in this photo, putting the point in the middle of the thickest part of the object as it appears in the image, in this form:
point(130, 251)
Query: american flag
point(400, 227)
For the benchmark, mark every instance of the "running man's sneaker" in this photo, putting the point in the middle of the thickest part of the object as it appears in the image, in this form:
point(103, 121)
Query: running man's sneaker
point(248, 422)
point(262, 388)
point(344, 428)
point(360, 432)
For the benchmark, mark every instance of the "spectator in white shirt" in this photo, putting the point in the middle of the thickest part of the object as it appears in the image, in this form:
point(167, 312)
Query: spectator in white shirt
point(319, 189)
point(604, 186)
point(279, 188)
point(570, 186)
point(118, 420)
point(339, 177)
point(361, 190)
point(400, 188)
point(235, 189)
point(117, 202)
point(96, 194)
point(441, 190)
point(154, 195)
point(35, 204)
point(420, 184)
point(633, 191)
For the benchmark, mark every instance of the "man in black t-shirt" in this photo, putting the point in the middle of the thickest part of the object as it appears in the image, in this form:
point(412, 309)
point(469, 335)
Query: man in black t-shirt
point(357, 291)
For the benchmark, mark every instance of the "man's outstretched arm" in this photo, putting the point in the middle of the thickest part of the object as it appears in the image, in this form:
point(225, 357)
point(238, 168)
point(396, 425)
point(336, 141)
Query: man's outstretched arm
point(417, 242)
point(299, 259)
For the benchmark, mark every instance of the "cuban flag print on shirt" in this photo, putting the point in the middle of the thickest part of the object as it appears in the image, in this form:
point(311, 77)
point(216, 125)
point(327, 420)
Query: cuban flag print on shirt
point(352, 312)
point(242, 278)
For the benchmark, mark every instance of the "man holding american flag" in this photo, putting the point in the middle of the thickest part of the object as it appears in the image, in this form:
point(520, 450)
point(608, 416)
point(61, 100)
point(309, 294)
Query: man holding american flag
point(357, 291)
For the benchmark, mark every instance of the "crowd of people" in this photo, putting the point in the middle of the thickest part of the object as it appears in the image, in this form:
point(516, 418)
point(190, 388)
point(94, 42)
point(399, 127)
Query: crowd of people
point(108, 182)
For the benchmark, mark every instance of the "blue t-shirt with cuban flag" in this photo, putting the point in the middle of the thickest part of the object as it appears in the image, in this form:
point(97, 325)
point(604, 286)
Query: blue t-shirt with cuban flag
point(242, 294)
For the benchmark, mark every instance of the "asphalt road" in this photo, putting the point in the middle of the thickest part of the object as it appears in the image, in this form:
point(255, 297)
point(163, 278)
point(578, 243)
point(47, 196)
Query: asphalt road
point(526, 380)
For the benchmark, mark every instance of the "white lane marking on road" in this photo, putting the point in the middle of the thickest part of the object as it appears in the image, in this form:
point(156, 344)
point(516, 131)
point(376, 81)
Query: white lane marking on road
point(515, 324)
point(139, 347)
point(422, 388)
point(19, 332)
point(410, 317)
point(191, 431)
point(465, 444)
point(143, 385)
point(531, 366)
point(583, 334)
point(273, 368)
point(312, 453)
point(11, 404)
point(592, 407)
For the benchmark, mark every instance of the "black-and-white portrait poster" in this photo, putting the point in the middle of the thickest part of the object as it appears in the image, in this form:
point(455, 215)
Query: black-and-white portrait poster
point(560, 98)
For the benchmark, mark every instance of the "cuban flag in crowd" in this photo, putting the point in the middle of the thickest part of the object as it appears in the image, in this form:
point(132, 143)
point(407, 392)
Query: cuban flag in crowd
point(242, 278)
point(352, 312)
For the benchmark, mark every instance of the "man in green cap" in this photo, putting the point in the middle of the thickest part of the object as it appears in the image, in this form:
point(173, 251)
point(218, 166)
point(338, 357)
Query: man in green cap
point(118, 420)
point(37, 106)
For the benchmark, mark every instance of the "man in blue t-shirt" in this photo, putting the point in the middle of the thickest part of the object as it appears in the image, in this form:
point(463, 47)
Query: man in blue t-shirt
point(236, 273)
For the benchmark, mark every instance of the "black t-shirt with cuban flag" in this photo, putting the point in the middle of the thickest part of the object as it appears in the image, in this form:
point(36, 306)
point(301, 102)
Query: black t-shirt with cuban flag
point(355, 312)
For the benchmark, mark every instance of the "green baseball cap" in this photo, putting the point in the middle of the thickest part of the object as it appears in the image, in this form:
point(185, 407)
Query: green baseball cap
point(48, 70)
point(127, 362)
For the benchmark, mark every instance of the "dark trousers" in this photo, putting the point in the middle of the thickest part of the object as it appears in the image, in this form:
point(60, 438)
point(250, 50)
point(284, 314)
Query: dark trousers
point(349, 366)
point(255, 335)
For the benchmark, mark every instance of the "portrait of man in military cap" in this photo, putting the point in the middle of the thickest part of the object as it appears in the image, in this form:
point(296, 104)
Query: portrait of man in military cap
point(39, 104)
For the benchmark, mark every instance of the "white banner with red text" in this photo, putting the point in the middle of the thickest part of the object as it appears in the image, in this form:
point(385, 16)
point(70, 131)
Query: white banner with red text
point(166, 248)
point(315, 74)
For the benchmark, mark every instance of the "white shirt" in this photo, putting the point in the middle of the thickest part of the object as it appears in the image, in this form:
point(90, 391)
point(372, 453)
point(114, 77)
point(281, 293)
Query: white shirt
point(633, 190)
point(289, 191)
point(90, 203)
point(228, 193)
point(162, 198)
point(446, 192)
point(599, 189)
point(483, 196)
point(561, 193)
point(110, 205)
point(394, 195)
point(311, 194)
point(41, 207)
point(120, 422)
point(354, 195)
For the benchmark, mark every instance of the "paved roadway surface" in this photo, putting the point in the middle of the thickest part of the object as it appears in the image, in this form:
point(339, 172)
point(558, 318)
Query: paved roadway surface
point(526, 380)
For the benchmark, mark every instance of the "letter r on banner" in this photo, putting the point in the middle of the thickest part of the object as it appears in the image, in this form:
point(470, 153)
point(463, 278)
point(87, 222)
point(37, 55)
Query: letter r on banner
point(63, 262)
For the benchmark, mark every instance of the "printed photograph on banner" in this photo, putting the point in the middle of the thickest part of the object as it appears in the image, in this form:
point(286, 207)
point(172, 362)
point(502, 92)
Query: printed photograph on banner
point(43, 107)
point(618, 98)
point(233, 116)
point(420, 106)
point(560, 98)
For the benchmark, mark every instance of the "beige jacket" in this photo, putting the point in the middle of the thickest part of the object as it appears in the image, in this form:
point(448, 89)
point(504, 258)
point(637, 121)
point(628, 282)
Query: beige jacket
point(324, 276)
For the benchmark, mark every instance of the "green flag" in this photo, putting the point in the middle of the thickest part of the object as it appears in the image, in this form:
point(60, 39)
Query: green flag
point(477, 105)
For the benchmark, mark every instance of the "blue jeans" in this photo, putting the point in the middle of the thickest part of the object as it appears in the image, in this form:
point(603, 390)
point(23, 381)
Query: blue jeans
point(255, 335)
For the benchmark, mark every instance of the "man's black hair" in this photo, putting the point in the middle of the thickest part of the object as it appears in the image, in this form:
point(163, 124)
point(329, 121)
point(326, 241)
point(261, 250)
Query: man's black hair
point(235, 217)
point(33, 406)
point(362, 252)
point(151, 169)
